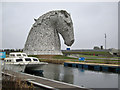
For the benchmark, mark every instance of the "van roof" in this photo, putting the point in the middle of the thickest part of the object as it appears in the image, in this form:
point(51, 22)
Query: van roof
point(13, 58)
point(17, 53)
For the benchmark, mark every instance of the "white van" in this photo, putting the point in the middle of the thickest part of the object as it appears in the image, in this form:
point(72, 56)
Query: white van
point(17, 54)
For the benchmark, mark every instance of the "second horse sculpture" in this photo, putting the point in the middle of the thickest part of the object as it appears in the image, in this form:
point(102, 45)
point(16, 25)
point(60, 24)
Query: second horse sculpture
point(43, 38)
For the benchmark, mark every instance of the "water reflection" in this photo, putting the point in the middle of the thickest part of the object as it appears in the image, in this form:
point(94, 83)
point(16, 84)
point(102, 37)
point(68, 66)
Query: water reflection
point(81, 70)
point(80, 77)
point(65, 75)
point(58, 72)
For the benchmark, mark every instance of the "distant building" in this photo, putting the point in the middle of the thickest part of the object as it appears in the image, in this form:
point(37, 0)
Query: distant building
point(96, 48)
point(101, 47)
point(113, 51)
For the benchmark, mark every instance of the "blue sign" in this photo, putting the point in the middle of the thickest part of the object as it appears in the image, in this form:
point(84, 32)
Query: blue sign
point(68, 48)
point(81, 59)
point(2, 55)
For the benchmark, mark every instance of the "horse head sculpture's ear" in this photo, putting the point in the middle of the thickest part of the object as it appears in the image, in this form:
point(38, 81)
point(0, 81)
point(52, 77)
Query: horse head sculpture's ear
point(65, 13)
point(35, 19)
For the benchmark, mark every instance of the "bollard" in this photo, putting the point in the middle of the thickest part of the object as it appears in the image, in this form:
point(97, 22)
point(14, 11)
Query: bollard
point(65, 64)
point(73, 65)
point(80, 66)
point(104, 68)
point(85, 66)
point(118, 70)
point(97, 68)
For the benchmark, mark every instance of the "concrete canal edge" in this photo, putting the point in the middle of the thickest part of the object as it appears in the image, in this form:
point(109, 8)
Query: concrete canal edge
point(85, 65)
point(44, 82)
point(94, 66)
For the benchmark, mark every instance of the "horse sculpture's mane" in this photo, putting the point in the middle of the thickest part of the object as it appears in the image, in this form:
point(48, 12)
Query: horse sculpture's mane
point(48, 15)
point(43, 37)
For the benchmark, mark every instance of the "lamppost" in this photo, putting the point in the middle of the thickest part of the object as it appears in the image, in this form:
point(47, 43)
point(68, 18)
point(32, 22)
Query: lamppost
point(105, 40)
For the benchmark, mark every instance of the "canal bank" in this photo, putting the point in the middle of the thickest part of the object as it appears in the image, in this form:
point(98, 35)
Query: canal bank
point(39, 82)
point(85, 65)
point(94, 66)
point(60, 59)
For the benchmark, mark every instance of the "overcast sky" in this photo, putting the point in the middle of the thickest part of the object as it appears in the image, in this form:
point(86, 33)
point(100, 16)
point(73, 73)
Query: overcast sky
point(91, 20)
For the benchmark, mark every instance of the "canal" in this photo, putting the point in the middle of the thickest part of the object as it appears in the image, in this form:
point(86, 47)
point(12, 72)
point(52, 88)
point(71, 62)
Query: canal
point(80, 77)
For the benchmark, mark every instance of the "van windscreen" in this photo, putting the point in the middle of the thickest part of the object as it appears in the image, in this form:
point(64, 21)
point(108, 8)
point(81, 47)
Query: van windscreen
point(27, 59)
point(19, 60)
point(35, 59)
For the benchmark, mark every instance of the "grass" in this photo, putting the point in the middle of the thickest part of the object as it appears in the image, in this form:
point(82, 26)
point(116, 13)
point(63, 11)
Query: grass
point(88, 57)
point(102, 59)
point(93, 56)
point(52, 61)
point(87, 61)
point(89, 53)
point(15, 83)
point(59, 59)
point(51, 56)
point(62, 57)
point(32, 55)
point(105, 62)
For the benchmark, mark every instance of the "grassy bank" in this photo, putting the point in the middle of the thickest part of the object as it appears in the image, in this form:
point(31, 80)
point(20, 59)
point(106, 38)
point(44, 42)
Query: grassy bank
point(94, 56)
point(96, 53)
point(87, 61)
point(51, 56)
point(59, 59)
point(15, 83)
point(53, 61)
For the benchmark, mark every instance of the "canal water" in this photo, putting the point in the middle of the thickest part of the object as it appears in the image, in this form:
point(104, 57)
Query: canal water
point(80, 77)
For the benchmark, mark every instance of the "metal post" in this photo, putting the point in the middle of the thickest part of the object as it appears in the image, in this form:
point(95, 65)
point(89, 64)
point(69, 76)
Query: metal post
point(0, 74)
point(105, 40)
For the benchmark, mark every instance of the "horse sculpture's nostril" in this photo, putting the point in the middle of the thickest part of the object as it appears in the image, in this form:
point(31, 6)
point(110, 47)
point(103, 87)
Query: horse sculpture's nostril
point(72, 41)
point(69, 43)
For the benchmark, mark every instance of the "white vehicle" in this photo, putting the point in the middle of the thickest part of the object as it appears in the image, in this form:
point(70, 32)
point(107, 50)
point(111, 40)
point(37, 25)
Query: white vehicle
point(33, 63)
point(20, 62)
point(18, 54)
point(15, 64)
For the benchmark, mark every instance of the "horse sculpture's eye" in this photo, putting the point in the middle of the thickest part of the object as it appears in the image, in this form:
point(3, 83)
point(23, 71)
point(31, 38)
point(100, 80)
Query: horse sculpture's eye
point(68, 24)
point(66, 15)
